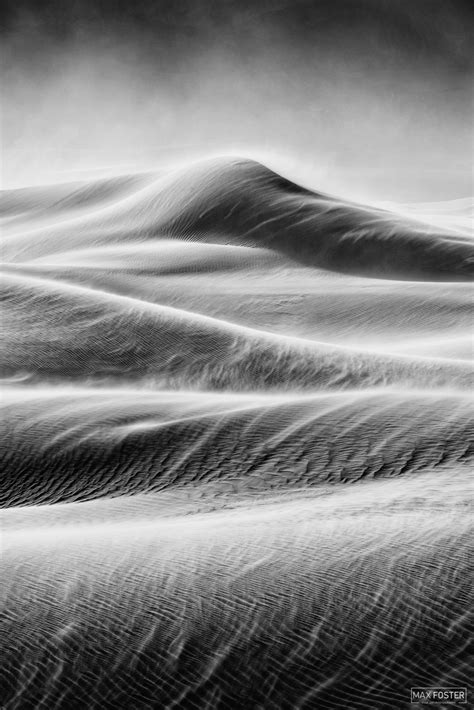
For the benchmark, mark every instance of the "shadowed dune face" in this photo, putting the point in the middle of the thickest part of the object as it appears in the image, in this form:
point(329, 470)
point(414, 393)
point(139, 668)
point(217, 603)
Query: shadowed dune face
point(237, 469)
point(115, 442)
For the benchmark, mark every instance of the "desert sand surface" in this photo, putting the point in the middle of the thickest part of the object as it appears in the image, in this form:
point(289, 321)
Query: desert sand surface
point(238, 443)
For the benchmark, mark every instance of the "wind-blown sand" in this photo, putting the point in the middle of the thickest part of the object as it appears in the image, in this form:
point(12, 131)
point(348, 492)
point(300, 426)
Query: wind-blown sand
point(237, 469)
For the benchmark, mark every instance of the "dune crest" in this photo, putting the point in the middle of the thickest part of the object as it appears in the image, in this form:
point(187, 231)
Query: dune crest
point(241, 202)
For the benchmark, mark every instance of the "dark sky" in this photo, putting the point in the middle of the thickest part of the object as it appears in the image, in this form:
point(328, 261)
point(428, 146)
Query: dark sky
point(369, 98)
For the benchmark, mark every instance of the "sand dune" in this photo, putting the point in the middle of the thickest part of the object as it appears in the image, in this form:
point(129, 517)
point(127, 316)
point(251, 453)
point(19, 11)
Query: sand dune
point(242, 202)
point(159, 257)
point(85, 443)
point(28, 207)
point(59, 330)
point(340, 593)
point(456, 215)
point(238, 461)
point(457, 348)
point(256, 288)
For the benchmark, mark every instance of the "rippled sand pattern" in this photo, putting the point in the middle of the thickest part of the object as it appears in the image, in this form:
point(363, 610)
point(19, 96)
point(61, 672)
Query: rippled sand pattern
point(238, 443)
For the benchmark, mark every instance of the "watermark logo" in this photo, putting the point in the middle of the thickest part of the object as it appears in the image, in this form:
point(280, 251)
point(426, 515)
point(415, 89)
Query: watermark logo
point(431, 696)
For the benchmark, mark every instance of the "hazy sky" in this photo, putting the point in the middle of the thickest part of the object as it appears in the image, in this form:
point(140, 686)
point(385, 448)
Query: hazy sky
point(367, 98)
